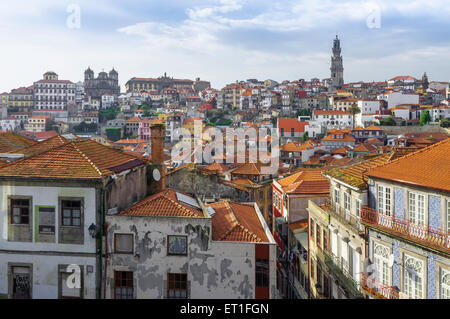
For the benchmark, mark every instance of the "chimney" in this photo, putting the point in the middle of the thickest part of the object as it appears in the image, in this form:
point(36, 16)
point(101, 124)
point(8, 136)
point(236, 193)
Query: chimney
point(157, 169)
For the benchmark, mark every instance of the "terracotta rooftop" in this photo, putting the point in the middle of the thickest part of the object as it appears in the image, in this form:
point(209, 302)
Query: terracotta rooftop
point(76, 159)
point(236, 222)
point(216, 168)
point(11, 141)
point(428, 167)
point(249, 169)
point(164, 204)
point(41, 147)
point(306, 181)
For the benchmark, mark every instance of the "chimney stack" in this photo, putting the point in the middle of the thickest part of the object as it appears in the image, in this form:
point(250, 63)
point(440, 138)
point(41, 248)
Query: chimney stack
point(157, 168)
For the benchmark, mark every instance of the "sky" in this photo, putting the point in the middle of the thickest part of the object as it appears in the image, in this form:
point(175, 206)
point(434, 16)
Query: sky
point(223, 40)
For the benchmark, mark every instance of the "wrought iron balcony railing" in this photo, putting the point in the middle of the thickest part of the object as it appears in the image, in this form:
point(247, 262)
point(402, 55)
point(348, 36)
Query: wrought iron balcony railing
point(422, 234)
point(344, 216)
point(335, 265)
point(378, 289)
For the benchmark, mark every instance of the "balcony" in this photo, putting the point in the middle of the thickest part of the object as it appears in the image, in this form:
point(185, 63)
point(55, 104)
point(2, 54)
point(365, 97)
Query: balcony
point(335, 265)
point(344, 216)
point(377, 289)
point(423, 235)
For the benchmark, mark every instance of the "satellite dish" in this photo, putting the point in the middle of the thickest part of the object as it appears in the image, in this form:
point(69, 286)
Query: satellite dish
point(156, 175)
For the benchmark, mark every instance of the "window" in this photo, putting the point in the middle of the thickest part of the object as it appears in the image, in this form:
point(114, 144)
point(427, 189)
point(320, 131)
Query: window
point(177, 245)
point(448, 216)
point(20, 211)
point(318, 231)
point(177, 286)
point(312, 269)
point(311, 229)
point(123, 243)
point(416, 210)
point(381, 258)
point(123, 285)
point(337, 197)
point(66, 291)
point(358, 208)
point(445, 284)
point(71, 213)
point(347, 204)
point(384, 200)
point(413, 277)
point(262, 272)
point(325, 239)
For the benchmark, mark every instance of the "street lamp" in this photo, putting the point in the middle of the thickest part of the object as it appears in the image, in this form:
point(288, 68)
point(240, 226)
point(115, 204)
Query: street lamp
point(92, 230)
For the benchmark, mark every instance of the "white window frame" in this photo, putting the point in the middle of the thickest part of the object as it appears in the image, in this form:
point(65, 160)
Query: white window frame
point(384, 199)
point(416, 212)
point(444, 283)
point(381, 255)
point(412, 286)
point(347, 205)
point(337, 196)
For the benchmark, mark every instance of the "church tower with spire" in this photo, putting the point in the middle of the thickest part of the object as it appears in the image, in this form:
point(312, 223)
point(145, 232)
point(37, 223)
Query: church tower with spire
point(337, 68)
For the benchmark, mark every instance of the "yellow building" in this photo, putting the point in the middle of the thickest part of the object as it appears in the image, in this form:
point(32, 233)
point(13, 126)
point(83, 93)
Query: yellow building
point(163, 116)
point(4, 97)
point(21, 100)
point(37, 123)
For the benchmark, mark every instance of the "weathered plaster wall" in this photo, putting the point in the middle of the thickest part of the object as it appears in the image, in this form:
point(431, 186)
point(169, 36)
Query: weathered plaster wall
point(46, 256)
point(214, 269)
point(192, 181)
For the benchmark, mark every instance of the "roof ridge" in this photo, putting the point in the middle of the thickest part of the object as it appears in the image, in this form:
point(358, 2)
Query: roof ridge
point(39, 154)
point(427, 148)
point(86, 157)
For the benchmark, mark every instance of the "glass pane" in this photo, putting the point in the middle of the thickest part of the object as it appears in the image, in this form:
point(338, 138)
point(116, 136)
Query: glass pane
point(76, 213)
point(66, 222)
point(76, 222)
point(66, 213)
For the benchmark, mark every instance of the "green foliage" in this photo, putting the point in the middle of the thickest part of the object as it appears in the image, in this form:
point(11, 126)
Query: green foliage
point(113, 133)
point(445, 123)
point(388, 122)
point(305, 137)
point(425, 118)
point(83, 127)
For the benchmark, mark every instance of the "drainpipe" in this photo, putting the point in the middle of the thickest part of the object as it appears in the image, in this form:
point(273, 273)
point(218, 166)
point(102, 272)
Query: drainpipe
point(106, 259)
point(102, 195)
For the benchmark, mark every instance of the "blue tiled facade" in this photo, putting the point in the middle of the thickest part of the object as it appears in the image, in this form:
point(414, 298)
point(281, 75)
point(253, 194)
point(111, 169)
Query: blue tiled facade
point(396, 266)
point(431, 283)
point(399, 203)
point(434, 211)
point(372, 203)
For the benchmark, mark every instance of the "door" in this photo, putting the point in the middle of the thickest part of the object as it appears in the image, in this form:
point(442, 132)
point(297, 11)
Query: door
point(21, 283)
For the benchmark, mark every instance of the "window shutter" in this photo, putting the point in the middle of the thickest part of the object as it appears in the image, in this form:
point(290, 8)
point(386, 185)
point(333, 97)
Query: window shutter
point(334, 243)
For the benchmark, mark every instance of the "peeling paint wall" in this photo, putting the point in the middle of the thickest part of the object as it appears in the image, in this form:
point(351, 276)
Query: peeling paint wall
point(214, 269)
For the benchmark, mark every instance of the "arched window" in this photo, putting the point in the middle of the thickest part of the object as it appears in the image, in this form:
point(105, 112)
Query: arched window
point(413, 277)
point(381, 257)
point(445, 284)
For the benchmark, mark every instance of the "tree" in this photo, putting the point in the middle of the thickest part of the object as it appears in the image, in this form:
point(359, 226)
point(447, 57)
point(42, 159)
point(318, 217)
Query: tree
point(113, 133)
point(354, 109)
point(305, 137)
point(425, 118)
point(445, 123)
point(388, 122)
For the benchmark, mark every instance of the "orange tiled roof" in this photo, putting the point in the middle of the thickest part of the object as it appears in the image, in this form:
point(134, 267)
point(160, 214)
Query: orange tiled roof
point(76, 159)
point(12, 141)
point(249, 169)
point(163, 204)
point(41, 147)
point(236, 222)
point(217, 168)
point(428, 167)
point(346, 138)
point(306, 181)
